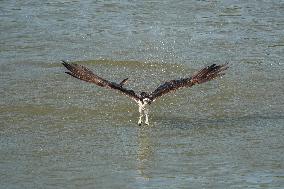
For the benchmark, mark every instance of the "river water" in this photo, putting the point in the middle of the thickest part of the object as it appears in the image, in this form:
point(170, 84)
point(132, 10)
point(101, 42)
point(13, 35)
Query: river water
point(59, 132)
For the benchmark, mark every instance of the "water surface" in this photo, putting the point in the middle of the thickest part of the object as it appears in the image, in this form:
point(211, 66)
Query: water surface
point(58, 132)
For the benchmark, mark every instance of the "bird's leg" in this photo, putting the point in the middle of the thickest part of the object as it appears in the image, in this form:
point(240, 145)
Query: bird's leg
point(141, 115)
point(146, 111)
point(140, 119)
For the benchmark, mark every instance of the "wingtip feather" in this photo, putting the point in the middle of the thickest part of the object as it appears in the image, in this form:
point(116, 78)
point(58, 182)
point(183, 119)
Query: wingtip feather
point(73, 75)
point(210, 72)
point(65, 64)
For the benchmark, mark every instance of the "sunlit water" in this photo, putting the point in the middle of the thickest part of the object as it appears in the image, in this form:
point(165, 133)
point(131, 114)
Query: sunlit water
point(59, 132)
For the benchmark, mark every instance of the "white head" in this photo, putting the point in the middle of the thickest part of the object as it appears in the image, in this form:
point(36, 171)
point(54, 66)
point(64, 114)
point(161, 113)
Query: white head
point(146, 101)
point(145, 98)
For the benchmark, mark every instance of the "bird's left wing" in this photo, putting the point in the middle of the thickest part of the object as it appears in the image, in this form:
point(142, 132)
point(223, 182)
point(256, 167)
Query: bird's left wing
point(206, 74)
point(85, 74)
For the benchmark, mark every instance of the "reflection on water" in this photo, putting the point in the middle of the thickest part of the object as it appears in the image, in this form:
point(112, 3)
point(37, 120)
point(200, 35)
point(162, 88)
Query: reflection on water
point(59, 132)
point(145, 153)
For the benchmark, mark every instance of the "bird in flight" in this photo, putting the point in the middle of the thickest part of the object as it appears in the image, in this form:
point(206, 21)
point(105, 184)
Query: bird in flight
point(144, 99)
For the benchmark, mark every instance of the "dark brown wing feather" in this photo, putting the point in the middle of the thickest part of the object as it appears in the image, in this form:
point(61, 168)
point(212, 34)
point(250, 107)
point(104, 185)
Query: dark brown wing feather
point(83, 73)
point(123, 82)
point(206, 74)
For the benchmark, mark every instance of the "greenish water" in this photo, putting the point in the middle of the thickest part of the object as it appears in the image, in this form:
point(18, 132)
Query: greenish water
point(59, 132)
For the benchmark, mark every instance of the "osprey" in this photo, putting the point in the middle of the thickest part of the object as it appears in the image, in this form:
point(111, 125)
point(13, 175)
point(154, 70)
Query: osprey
point(144, 99)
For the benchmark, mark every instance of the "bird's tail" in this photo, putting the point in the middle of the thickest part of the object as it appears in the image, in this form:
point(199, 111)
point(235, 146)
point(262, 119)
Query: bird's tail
point(209, 73)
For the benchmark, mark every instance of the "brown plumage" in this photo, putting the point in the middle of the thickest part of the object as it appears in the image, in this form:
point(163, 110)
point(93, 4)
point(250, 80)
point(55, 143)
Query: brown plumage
point(83, 73)
point(144, 99)
point(206, 74)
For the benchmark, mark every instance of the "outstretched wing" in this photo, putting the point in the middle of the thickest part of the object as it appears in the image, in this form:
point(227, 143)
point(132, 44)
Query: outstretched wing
point(83, 73)
point(206, 74)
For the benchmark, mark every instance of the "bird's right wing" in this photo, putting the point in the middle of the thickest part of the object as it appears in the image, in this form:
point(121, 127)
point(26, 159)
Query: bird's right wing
point(83, 73)
point(206, 74)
